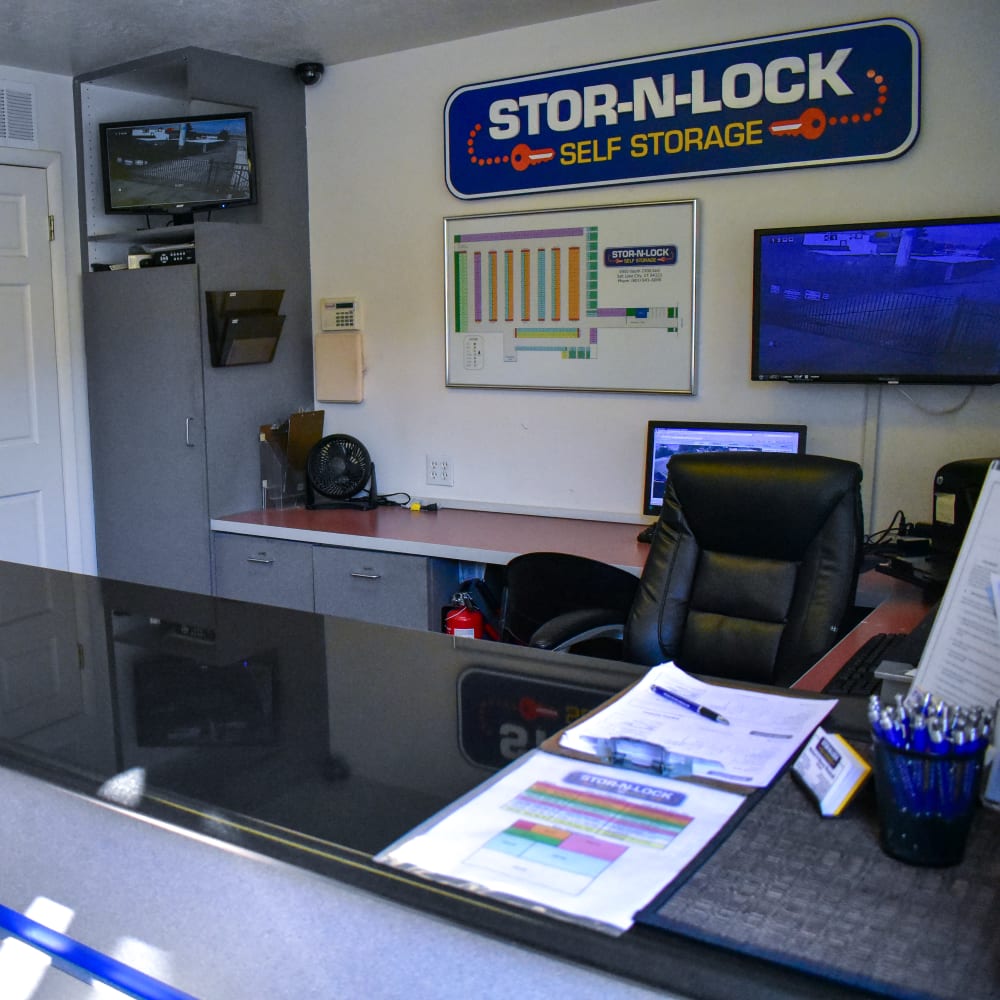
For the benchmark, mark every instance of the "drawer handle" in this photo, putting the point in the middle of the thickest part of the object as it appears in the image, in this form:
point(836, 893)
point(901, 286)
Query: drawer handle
point(357, 574)
point(261, 557)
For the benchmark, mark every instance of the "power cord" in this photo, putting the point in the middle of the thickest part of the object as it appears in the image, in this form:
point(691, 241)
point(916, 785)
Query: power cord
point(901, 539)
point(386, 500)
point(878, 538)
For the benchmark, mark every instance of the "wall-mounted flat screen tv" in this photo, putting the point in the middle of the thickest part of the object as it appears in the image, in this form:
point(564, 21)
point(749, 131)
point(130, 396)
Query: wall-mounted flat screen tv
point(178, 166)
point(893, 302)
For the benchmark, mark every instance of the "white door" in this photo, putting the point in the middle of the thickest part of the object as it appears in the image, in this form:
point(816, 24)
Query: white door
point(32, 501)
point(40, 668)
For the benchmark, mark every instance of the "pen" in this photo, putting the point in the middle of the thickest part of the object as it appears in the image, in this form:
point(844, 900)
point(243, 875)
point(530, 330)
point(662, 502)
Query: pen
point(691, 706)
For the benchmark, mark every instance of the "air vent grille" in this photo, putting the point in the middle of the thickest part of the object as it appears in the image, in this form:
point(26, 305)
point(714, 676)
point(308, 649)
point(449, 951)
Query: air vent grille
point(17, 114)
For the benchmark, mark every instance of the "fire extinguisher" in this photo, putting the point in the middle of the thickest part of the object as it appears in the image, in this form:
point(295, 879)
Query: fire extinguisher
point(463, 618)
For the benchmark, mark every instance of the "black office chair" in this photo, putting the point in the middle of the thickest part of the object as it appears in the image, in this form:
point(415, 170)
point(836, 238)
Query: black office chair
point(751, 572)
point(589, 599)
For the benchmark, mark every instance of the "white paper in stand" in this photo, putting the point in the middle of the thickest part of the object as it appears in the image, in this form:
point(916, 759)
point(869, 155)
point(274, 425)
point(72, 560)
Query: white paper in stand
point(961, 660)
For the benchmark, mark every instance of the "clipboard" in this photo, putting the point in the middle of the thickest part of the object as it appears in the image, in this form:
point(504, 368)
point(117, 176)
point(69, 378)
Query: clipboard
point(549, 832)
point(594, 840)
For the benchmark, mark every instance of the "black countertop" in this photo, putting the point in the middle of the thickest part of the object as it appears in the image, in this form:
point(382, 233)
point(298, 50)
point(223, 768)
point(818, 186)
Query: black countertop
point(313, 739)
point(339, 730)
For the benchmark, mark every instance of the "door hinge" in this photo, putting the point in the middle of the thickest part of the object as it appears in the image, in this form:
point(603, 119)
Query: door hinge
point(52, 228)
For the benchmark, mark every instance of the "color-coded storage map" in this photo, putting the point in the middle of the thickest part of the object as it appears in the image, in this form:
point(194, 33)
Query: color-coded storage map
point(606, 303)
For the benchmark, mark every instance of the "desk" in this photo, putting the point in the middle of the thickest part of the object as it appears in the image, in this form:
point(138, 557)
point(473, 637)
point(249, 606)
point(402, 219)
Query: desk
point(391, 565)
point(309, 740)
point(438, 541)
point(896, 606)
point(474, 536)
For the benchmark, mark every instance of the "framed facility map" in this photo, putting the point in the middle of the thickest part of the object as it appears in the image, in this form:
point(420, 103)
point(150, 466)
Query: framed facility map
point(599, 298)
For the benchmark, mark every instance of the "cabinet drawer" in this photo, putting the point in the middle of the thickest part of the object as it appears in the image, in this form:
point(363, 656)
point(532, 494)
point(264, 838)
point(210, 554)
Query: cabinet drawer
point(264, 570)
point(383, 587)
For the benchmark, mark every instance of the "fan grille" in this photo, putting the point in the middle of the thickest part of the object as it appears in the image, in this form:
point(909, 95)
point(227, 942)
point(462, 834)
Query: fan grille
point(338, 466)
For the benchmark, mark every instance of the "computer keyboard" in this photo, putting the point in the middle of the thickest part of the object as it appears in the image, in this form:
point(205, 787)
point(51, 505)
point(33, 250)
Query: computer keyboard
point(857, 675)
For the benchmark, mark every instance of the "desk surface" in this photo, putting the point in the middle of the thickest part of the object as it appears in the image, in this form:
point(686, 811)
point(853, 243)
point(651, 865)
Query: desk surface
point(896, 606)
point(310, 739)
point(467, 535)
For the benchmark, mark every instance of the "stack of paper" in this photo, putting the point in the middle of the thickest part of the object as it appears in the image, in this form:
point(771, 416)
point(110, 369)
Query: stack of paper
point(760, 732)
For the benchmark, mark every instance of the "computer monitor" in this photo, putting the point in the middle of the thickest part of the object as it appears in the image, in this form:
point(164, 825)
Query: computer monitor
point(894, 302)
point(665, 438)
point(178, 166)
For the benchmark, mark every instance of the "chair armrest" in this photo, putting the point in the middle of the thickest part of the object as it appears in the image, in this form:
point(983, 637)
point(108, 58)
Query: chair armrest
point(566, 630)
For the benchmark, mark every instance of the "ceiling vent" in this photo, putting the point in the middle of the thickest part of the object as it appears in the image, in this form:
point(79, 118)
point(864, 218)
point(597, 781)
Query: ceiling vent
point(17, 114)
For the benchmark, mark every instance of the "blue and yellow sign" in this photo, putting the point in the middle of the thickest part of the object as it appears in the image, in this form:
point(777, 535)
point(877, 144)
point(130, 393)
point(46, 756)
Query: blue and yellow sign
point(811, 98)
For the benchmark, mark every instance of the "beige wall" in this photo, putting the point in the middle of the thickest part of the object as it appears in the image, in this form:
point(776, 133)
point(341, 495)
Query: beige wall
point(378, 197)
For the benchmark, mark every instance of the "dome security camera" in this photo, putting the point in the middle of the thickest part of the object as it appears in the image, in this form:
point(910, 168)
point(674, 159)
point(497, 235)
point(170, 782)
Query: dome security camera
point(309, 73)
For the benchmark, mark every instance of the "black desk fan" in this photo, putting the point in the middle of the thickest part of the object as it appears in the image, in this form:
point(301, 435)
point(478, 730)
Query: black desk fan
point(338, 467)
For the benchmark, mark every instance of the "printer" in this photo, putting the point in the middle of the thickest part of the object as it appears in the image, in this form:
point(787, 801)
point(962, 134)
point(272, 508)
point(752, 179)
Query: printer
point(956, 490)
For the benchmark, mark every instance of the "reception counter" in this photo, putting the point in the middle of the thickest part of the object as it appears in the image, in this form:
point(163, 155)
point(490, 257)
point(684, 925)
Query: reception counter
point(212, 778)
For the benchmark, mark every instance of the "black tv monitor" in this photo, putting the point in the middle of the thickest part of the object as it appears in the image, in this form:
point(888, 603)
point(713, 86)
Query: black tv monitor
point(666, 438)
point(178, 166)
point(915, 301)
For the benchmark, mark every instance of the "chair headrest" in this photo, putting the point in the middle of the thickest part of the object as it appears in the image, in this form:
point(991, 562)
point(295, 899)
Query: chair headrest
point(759, 503)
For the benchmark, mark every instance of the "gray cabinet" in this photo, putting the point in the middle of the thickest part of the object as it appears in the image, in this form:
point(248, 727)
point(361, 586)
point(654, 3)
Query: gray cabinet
point(264, 570)
point(175, 441)
point(147, 427)
point(388, 588)
point(384, 587)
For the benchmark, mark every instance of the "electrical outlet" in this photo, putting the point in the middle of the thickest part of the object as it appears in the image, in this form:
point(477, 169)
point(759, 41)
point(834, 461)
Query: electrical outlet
point(439, 471)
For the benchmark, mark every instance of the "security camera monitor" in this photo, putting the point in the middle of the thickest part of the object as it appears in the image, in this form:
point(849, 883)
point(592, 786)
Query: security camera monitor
point(666, 438)
point(916, 301)
point(177, 166)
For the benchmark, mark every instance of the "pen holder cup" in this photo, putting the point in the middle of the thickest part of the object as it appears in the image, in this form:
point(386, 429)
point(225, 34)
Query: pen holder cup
point(925, 803)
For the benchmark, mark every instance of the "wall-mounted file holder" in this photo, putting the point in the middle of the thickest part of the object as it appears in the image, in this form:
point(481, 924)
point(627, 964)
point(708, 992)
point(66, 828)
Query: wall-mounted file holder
point(244, 326)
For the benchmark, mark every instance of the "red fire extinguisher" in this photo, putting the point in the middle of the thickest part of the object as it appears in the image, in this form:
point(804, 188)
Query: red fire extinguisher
point(463, 618)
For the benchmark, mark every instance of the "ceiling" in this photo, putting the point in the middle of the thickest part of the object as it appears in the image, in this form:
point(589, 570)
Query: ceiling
point(71, 37)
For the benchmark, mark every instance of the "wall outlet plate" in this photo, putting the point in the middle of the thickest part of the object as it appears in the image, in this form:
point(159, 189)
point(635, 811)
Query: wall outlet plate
point(439, 471)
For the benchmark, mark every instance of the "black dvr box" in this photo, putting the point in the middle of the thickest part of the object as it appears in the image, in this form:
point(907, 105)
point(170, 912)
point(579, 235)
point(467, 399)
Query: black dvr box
point(172, 255)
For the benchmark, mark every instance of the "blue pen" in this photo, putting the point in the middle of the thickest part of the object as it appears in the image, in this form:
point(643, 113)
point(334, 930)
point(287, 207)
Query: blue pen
point(938, 744)
point(889, 730)
point(691, 706)
point(964, 774)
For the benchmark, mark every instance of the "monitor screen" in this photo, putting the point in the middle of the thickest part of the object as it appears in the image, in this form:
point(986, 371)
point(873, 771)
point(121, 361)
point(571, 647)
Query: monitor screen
point(666, 438)
point(178, 165)
point(893, 302)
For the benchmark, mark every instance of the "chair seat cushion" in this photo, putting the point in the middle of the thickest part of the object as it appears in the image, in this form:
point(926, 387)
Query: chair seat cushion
point(724, 646)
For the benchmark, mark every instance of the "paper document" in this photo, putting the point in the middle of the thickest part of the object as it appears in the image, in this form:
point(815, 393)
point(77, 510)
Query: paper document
point(961, 660)
point(583, 842)
point(760, 733)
